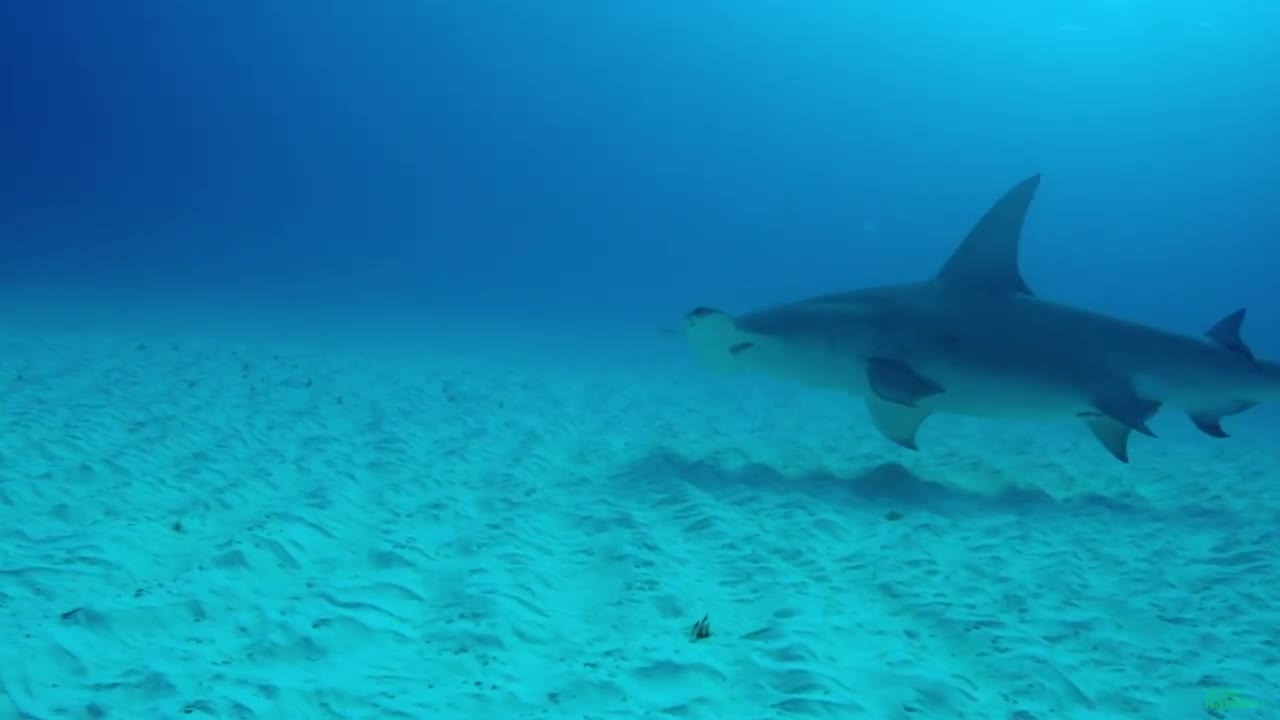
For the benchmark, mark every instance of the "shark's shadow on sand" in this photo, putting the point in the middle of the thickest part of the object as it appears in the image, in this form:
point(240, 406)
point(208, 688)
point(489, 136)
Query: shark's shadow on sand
point(891, 487)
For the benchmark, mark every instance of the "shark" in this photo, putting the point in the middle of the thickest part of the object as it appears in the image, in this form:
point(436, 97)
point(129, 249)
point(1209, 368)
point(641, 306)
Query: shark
point(975, 340)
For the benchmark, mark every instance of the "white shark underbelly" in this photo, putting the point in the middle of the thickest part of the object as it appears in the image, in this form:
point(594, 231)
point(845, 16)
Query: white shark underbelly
point(964, 394)
point(1006, 399)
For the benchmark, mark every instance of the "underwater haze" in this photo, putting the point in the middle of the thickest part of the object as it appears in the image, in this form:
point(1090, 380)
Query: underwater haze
point(502, 486)
point(628, 158)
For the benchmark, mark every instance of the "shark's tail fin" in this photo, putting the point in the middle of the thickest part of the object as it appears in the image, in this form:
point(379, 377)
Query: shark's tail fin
point(716, 339)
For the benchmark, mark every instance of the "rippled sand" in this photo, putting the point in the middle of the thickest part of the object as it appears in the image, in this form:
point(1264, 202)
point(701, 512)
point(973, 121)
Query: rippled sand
point(205, 529)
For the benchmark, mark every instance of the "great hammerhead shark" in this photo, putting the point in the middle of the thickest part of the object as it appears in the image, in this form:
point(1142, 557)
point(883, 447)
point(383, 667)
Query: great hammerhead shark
point(974, 340)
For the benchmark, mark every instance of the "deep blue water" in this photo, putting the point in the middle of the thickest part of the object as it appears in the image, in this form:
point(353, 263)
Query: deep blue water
point(632, 158)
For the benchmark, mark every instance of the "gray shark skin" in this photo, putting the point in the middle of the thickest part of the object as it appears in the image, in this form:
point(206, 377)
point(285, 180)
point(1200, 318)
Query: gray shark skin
point(974, 340)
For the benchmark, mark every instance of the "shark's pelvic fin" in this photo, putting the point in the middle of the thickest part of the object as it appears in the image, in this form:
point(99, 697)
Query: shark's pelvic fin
point(1210, 421)
point(987, 260)
point(897, 422)
point(1211, 426)
point(1120, 411)
point(1227, 334)
point(1113, 435)
point(1125, 407)
point(896, 382)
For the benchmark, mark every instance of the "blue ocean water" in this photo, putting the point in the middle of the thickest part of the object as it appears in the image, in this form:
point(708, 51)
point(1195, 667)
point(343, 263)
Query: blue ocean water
point(614, 164)
point(634, 158)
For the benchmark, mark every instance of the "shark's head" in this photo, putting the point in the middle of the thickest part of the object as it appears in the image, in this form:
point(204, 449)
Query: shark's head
point(716, 339)
point(819, 340)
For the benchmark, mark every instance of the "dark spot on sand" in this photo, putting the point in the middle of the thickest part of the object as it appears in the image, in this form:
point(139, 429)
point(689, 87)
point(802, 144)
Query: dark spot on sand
point(701, 629)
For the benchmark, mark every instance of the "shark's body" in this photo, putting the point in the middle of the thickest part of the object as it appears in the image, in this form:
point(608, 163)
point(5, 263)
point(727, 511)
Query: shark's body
point(974, 340)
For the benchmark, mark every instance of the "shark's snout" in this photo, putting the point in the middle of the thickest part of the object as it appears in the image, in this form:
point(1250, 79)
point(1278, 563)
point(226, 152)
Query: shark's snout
point(716, 338)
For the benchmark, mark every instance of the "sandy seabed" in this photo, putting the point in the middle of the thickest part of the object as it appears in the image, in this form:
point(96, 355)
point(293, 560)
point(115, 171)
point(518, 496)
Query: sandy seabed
point(206, 528)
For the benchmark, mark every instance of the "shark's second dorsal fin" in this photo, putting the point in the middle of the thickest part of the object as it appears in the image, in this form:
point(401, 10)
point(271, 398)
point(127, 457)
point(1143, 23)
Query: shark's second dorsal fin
point(1227, 334)
point(987, 260)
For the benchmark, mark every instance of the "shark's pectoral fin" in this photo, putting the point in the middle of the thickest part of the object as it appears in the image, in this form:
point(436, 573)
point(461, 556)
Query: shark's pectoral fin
point(1127, 408)
point(1113, 435)
point(897, 382)
point(1227, 334)
point(1120, 411)
point(1210, 421)
point(897, 422)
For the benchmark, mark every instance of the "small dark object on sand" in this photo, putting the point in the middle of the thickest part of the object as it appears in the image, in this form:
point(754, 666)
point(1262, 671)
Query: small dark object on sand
point(701, 630)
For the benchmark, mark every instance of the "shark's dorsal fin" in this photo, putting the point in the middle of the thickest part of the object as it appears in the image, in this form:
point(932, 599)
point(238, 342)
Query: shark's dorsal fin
point(1227, 334)
point(987, 260)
